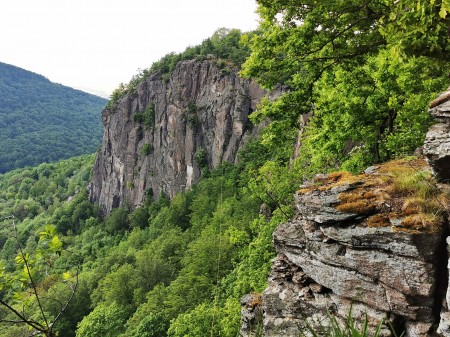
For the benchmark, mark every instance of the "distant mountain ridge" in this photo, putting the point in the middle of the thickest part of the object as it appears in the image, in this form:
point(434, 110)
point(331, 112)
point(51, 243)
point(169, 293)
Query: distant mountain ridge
point(41, 121)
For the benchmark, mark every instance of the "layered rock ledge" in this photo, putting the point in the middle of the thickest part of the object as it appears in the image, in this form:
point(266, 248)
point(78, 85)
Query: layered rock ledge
point(365, 243)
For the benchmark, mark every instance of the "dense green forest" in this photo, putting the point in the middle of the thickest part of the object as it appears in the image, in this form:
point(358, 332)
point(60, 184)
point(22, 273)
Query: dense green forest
point(364, 70)
point(41, 121)
point(167, 268)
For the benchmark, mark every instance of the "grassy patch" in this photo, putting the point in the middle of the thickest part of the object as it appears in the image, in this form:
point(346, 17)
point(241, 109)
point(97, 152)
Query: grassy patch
point(323, 182)
point(358, 207)
point(401, 194)
point(333, 327)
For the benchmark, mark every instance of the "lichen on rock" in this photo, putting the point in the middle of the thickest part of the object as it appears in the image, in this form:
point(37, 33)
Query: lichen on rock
point(363, 243)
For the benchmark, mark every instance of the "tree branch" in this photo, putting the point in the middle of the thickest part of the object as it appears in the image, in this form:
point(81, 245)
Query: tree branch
point(32, 323)
point(33, 284)
point(70, 298)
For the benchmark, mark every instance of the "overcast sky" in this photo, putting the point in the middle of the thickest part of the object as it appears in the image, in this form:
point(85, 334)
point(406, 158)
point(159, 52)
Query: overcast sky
point(97, 44)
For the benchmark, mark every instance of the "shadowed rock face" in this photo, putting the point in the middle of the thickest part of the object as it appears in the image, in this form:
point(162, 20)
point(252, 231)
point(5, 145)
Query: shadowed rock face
point(200, 119)
point(437, 141)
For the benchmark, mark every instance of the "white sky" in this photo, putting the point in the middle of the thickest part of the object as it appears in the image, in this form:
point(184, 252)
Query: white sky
point(94, 45)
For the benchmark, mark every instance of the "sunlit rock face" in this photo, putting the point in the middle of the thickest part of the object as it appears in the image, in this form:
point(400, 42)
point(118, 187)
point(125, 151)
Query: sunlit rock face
point(200, 120)
point(356, 244)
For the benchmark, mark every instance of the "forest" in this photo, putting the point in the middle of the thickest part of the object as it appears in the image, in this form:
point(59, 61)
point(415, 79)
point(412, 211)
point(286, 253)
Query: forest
point(364, 70)
point(41, 121)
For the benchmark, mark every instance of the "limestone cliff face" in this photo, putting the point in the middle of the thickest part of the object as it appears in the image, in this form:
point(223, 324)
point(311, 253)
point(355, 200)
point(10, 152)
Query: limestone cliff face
point(159, 137)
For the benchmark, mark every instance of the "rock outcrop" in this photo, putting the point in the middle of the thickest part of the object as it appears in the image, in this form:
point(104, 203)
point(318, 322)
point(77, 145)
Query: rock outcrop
point(251, 314)
point(444, 324)
point(158, 138)
point(437, 141)
point(364, 244)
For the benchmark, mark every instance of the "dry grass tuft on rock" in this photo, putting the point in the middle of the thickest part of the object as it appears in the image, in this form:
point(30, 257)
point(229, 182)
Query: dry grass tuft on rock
point(421, 222)
point(401, 194)
point(357, 207)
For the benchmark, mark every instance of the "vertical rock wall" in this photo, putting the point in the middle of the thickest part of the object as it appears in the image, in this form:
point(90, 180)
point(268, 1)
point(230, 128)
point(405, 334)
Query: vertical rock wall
point(200, 119)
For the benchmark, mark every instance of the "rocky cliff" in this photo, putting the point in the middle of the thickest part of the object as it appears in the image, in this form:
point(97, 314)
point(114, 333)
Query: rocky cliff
point(159, 138)
point(374, 245)
point(365, 243)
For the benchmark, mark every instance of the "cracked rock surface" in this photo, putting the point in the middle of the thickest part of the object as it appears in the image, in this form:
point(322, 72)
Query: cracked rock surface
point(159, 137)
point(352, 247)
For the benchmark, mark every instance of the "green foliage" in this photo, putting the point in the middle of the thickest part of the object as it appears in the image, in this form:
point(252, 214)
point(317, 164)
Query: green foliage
point(366, 71)
point(378, 108)
point(418, 28)
point(149, 116)
point(117, 94)
point(146, 118)
point(75, 311)
point(117, 221)
point(104, 321)
point(192, 108)
point(195, 323)
point(50, 193)
point(138, 117)
point(72, 215)
point(153, 325)
point(178, 255)
point(146, 149)
point(139, 218)
point(27, 193)
point(25, 296)
point(179, 267)
point(150, 270)
point(192, 116)
point(274, 184)
point(279, 135)
point(41, 121)
point(159, 261)
point(118, 287)
point(225, 45)
point(201, 158)
point(350, 328)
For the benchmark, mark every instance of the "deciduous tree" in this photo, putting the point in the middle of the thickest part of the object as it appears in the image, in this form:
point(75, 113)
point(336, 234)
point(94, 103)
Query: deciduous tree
point(360, 64)
point(25, 291)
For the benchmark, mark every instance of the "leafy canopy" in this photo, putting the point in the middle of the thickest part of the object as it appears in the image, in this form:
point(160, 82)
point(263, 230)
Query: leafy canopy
point(23, 299)
point(364, 69)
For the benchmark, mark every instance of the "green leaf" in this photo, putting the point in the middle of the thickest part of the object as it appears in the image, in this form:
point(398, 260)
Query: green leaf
point(55, 244)
point(67, 276)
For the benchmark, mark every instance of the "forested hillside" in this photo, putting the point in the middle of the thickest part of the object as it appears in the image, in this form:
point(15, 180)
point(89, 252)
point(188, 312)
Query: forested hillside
point(365, 73)
point(41, 121)
point(176, 265)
